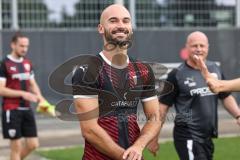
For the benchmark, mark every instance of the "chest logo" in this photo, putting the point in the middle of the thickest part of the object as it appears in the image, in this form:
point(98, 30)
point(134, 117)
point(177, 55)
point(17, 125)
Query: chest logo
point(190, 82)
point(13, 68)
point(27, 66)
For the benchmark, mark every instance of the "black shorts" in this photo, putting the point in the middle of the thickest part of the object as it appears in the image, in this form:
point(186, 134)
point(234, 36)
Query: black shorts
point(194, 150)
point(18, 123)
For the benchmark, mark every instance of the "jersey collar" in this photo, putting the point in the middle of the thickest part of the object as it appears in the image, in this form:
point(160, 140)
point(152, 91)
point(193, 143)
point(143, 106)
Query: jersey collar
point(20, 60)
point(113, 65)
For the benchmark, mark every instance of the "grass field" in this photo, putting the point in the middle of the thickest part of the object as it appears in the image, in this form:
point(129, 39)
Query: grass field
point(225, 149)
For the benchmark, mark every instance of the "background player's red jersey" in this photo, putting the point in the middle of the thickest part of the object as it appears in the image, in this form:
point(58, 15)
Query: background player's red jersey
point(17, 74)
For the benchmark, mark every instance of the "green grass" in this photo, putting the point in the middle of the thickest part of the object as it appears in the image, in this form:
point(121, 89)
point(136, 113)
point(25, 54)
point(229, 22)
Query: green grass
point(225, 148)
point(63, 154)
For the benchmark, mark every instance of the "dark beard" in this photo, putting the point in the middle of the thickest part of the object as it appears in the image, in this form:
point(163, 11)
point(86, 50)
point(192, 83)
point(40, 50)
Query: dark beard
point(19, 55)
point(116, 41)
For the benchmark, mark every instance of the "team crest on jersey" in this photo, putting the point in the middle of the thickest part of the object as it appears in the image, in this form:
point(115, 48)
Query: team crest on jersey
point(27, 66)
point(190, 82)
point(135, 80)
point(12, 132)
point(13, 68)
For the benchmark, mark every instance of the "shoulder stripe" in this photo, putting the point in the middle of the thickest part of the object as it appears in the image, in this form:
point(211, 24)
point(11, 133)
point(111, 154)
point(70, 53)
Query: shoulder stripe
point(149, 98)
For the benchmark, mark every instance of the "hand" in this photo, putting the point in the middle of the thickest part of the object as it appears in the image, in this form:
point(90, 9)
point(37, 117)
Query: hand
point(133, 153)
point(153, 147)
point(201, 66)
point(213, 83)
point(29, 97)
point(46, 107)
point(41, 99)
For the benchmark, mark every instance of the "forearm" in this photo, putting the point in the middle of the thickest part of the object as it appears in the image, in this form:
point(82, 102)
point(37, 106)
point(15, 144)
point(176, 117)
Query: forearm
point(155, 114)
point(39, 95)
point(163, 109)
point(231, 106)
point(100, 139)
point(232, 85)
point(12, 93)
point(87, 108)
point(36, 90)
point(149, 132)
point(155, 139)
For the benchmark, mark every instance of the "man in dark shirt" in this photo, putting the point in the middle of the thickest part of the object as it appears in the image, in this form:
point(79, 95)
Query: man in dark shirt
point(195, 105)
point(114, 92)
point(18, 88)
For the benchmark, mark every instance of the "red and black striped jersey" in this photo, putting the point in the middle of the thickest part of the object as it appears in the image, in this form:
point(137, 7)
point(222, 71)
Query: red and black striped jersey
point(17, 74)
point(119, 89)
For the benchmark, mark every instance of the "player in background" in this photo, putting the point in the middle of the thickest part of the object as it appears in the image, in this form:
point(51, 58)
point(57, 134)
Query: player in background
point(196, 121)
point(18, 89)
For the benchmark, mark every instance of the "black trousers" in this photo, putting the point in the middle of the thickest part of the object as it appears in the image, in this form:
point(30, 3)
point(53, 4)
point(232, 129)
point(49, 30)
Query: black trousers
point(194, 150)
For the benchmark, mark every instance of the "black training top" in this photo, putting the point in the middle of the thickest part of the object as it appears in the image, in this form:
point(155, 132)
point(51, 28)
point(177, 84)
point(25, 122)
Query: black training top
point(196, 106)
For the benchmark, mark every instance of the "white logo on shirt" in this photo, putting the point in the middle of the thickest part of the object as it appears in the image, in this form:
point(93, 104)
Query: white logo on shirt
point(190, 82)
point(83, 68)
point(27, 66)
point(204, 91)
point(12, 132)
point(21, 76)
point(135, 80)
point(124, 103)
point(13, 68)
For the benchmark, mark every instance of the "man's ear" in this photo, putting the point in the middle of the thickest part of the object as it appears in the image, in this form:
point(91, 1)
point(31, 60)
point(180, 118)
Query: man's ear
point(12, 45)
point(100, 29)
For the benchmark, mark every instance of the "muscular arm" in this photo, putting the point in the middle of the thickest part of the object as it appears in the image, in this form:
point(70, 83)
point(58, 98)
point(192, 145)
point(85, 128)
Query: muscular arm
point(153, 145)
point(94, 133)
point(152, 126)
point(165, 102)
point(8, 92)
point(223, 85)
point(13, 93)
point(214, 84)
point(231, 106)
point(163, 111)
point(230, 85)
point(149, 130)
point(36, 90)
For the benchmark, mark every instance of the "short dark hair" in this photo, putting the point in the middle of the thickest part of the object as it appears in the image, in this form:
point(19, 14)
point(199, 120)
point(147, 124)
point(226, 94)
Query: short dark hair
point(16, 36)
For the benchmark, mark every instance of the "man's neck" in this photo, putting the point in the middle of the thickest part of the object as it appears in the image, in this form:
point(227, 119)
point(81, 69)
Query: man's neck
point(117, 57)
point(111, 54)
point(192, 64)
point(15, 56)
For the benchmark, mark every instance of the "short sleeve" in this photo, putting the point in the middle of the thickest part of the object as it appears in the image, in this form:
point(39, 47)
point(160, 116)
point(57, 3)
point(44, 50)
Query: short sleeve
point(149, 91)
point(169, 99)
point(223, 95)
point(3, 71)
point(32, 75)
point(84, 83)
